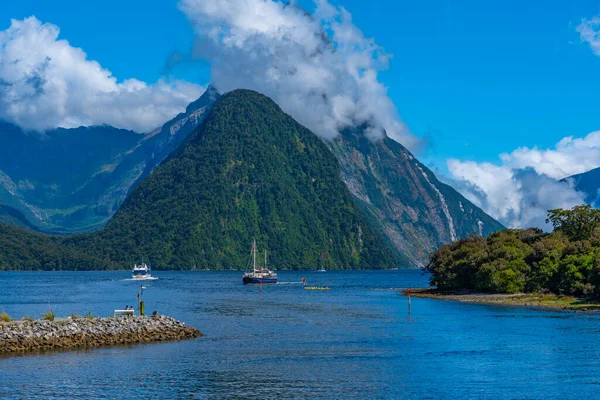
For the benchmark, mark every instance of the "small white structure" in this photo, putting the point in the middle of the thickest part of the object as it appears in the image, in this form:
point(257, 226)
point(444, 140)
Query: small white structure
point(124, 313)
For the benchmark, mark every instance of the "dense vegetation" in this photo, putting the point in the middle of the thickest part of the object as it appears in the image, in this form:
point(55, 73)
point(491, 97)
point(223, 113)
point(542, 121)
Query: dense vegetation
point(566, 261)
point(22, 249)
point(249, 172)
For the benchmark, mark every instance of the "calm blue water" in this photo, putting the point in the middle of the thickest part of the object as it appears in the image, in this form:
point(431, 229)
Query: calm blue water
point(355, 341)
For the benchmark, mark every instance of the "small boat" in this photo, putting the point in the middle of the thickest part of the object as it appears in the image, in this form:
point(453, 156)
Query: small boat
point(259, 275)
point(316, 288)
point(322, 270)
point(141, 271)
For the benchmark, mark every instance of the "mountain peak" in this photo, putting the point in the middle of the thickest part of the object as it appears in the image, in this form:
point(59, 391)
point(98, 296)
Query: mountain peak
point(210, 96)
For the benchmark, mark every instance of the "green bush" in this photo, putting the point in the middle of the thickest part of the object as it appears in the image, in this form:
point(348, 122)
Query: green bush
point(4, 317)
point(564, 262)
point(49, 316)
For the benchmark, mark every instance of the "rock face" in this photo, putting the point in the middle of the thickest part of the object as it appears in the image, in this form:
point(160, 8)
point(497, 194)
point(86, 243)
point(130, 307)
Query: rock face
point(24, 336)
point(416, 212)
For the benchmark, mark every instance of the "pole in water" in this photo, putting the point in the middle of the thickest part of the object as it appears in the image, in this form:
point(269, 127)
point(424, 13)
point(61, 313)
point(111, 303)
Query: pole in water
point(409, 292)
point(260, 287)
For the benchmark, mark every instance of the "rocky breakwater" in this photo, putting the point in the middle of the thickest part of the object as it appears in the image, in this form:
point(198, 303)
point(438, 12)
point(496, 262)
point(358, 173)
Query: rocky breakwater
point(24, 336)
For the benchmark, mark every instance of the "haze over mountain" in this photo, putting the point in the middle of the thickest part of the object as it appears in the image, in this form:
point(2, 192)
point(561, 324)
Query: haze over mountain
point(74, 180)
point(588, 183)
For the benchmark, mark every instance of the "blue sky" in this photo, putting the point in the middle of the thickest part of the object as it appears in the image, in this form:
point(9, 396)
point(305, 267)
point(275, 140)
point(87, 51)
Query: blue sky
point(480, 78)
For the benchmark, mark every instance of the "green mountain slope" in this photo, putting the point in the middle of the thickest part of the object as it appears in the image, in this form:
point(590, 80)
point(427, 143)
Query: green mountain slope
point(250, 171)
point(416, 212)
point(11, 216)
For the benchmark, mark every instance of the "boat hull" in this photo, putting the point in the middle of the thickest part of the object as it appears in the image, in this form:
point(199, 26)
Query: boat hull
point(258, 281)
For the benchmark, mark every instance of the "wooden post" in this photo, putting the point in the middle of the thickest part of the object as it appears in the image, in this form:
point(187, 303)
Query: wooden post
point(409, 292)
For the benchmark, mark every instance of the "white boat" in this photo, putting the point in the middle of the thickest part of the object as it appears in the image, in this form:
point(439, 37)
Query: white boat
point(141, 271)
point(322, 270)
point(259, 275)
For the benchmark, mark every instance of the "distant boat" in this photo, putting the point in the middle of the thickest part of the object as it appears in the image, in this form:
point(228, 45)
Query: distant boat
point(322, 270)
point(141, 271)
point(259, 275)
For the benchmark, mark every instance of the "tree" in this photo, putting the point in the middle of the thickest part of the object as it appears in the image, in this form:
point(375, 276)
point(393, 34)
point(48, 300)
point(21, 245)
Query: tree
point(577, 223)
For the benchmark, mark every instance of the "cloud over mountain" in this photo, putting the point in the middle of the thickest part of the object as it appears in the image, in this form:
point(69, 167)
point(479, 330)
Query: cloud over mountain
point(520, 190)
point(527, 182)
point(319, 67)
point(46, 83)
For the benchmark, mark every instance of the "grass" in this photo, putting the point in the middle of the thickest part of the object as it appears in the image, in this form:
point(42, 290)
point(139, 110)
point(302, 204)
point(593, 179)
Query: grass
point(554, 301)
point(89, 316)
point(26, 318)
point(4, 317)
point(49, 316)
point(546, 300)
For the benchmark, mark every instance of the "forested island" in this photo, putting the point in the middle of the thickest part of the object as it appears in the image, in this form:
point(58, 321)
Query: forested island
point(565, 262)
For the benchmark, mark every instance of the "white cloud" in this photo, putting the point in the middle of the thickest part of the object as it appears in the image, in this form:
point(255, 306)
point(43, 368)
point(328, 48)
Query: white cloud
point(589, 32)
point(520, 190)
point(320, 68)
point(46, 83)
point(570, 156)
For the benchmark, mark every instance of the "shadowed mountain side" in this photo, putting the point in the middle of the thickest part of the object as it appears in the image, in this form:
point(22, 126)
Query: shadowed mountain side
point(74, 180)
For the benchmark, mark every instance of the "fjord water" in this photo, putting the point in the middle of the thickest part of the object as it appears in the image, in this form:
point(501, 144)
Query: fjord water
point(354, 341)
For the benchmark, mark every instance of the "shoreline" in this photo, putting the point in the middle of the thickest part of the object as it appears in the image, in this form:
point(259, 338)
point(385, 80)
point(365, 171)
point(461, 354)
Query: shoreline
point(536, 300)
point(21, 337)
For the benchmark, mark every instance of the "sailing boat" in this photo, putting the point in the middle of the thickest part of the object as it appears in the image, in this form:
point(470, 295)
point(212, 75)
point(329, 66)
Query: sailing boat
point(259, 275)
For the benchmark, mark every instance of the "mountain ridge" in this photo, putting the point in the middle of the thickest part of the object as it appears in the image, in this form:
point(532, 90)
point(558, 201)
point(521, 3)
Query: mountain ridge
point(73, 180)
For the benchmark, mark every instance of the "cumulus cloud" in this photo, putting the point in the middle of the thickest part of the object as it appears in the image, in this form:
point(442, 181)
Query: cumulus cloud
point(530, 181)
point(517, 197)
point(589, 32)
point(319, 67)
point(46, 83)
point(527, 183)
point(570, 156)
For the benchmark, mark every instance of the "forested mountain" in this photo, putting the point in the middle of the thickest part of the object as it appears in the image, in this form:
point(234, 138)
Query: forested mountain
point(74, 180)
point(249, 172)
point(412, 211)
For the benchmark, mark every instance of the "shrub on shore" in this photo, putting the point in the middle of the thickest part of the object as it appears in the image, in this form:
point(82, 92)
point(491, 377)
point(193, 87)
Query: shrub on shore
point(566, 261)
point(49, 316)
point(4, 317)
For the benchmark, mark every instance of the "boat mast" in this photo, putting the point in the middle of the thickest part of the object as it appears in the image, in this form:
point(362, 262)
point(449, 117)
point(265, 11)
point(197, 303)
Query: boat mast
point(254, 251)
point(265, 259)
